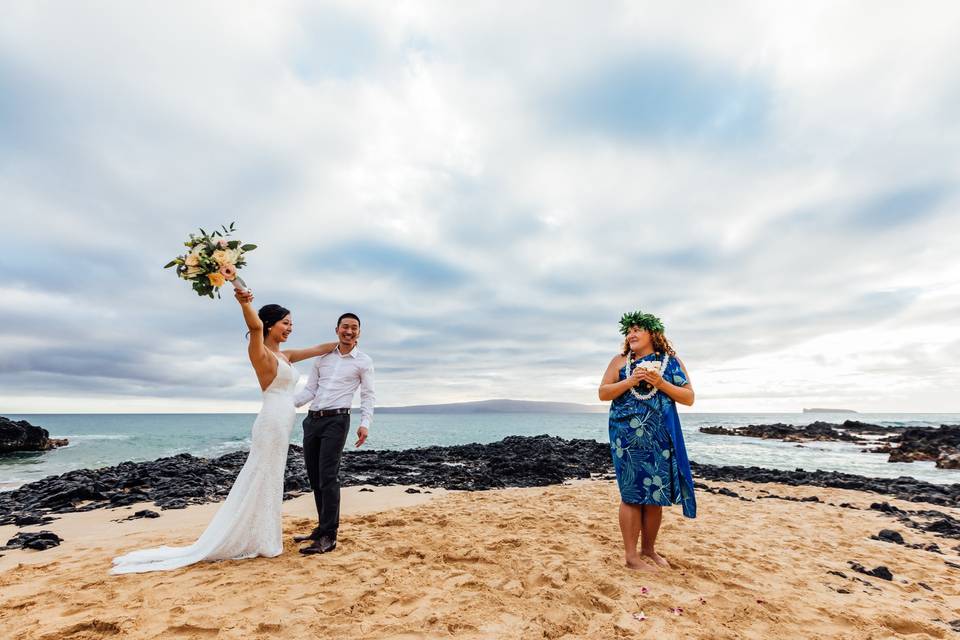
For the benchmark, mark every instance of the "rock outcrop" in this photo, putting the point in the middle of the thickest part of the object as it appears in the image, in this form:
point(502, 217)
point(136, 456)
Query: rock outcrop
point(20, 435)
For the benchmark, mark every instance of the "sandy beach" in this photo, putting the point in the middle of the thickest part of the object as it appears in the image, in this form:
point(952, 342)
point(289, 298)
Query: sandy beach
point(513, 563)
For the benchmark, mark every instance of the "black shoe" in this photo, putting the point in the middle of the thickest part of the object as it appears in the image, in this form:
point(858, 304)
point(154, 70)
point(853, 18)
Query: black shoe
point(313, 535)
point(325, 544)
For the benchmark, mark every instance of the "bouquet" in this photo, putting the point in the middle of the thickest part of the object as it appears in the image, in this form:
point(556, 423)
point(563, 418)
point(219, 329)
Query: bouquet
point(212, 260)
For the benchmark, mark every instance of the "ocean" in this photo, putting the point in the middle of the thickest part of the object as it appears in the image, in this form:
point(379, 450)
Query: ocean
point(98, 440)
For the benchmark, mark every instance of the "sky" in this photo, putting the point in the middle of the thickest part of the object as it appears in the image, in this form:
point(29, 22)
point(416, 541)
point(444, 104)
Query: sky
point(489, 186)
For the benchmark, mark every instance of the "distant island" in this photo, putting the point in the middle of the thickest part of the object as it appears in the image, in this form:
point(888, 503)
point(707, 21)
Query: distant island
point(822, 410)
point(499, 406)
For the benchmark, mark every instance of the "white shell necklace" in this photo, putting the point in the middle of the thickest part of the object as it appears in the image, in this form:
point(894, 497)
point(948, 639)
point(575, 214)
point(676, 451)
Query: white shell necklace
point(649, 365)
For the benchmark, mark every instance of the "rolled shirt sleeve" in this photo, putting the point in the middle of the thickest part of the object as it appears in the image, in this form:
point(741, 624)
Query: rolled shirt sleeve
point(367, 395)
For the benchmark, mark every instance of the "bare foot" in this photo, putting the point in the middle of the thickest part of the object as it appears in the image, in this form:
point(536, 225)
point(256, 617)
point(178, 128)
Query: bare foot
point(657, 558)
point(637, 563)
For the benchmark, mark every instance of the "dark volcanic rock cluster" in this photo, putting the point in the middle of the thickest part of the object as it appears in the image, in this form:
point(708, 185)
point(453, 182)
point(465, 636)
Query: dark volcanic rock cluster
point(849, 431)
point(37, 540)
point(904, 487)
point(903, 444)
point(942, 445)
point(517, 461)
point(20, 435)
point(177, 481)
point(936, 522)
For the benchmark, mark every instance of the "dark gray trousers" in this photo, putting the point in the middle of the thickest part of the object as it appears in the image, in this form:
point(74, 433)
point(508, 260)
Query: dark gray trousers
point(323, 441)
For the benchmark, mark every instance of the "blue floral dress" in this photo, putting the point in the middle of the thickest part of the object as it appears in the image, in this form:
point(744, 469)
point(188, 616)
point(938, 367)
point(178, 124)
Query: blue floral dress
point(646, 443)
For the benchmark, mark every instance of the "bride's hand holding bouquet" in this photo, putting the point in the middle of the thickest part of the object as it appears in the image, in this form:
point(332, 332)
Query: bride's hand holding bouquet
point(212, 260)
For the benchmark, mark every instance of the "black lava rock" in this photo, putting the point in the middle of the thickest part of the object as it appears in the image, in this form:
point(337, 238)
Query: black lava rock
point(143, 513)
point(937, 522)
point(38, 540)
point(902, 444)
point(849, 431)
point(889, 535)
point(517, 461)
point(880, 572)
point(20, 435)
point(939, 444)
point(904, 487)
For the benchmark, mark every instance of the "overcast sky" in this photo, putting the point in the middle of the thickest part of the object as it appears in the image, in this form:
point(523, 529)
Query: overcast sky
point(489, 188)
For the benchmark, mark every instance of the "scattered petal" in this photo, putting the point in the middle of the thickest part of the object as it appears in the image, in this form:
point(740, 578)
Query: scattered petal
point(676, 611)
point(759, 601)
point(639, 616)
point(703, 600)
point(644, 591)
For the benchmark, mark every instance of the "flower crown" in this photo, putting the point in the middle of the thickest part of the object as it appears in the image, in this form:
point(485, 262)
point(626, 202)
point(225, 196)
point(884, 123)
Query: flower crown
point(646, 321)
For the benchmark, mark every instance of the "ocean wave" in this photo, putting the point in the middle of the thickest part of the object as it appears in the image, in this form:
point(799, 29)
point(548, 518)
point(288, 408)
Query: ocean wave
point(97, 436)
point(229, 446)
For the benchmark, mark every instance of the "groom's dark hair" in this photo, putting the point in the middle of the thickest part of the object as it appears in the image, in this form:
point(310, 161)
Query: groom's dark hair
point(348, 315)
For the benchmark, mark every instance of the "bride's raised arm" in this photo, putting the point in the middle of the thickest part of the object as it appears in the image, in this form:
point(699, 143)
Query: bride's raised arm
point(296, 355)
point(263, 363)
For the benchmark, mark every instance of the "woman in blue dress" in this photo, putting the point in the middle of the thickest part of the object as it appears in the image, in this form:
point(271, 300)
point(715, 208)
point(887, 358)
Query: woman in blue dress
point(644, 383)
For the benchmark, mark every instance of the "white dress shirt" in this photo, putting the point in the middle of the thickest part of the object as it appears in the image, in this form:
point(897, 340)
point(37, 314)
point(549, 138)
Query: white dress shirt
point(334, 379)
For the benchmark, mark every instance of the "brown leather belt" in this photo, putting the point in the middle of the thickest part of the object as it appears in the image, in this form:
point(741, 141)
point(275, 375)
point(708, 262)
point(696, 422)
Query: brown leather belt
point(326, 413)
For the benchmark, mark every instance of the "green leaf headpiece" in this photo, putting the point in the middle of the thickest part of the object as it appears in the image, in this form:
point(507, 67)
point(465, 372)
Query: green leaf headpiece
point(640, 319)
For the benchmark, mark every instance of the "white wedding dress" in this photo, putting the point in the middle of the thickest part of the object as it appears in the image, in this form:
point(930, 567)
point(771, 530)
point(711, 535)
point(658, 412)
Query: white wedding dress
point(248, 523)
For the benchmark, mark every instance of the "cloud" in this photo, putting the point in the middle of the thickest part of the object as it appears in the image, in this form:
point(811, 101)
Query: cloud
point(489, 191)
point(662, 97)
point(371, 259)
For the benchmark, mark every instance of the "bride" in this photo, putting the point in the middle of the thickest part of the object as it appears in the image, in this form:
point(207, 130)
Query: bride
point(248, 523)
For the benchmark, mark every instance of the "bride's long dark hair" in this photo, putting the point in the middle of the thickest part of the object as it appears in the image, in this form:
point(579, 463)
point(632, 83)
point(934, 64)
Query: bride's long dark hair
point(271, 314)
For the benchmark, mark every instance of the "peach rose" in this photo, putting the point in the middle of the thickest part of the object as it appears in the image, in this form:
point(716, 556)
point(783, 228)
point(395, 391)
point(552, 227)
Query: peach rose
point(216, 279)
point(222, 243)
point(228, 271)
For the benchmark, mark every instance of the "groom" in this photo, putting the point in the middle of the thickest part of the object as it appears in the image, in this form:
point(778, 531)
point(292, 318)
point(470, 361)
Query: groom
point(334, 379)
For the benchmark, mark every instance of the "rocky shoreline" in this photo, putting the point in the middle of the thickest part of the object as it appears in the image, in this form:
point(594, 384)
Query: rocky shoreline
point(517, 461)
point(902, 444)
point(20, 435)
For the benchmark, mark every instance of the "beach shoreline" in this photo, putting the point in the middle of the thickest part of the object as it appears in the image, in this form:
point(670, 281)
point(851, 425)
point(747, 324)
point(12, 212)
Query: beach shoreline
point(178, 481)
